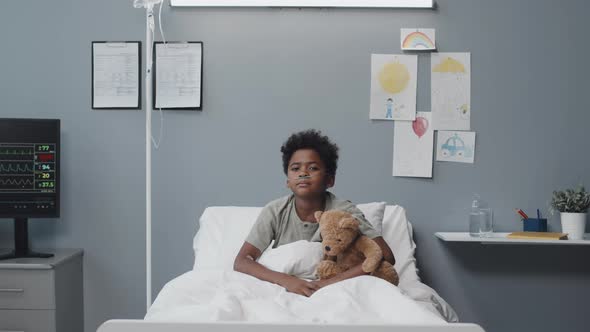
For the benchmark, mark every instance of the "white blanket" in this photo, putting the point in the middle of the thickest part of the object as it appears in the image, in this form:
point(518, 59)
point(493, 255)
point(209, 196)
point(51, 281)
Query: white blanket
point(215, 295)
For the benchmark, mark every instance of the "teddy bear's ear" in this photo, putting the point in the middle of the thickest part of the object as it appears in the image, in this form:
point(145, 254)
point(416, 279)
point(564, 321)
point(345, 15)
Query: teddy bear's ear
point(318, 215)
point(351, 223)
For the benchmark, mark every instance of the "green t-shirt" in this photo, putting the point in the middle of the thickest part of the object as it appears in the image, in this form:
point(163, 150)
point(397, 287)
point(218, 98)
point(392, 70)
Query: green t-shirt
point(279, 221)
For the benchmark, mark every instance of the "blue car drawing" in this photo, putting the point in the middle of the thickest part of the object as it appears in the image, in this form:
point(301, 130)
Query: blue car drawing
point(454, 146)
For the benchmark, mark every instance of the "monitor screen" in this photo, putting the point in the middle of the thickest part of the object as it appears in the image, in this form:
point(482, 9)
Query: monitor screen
point(29, 168)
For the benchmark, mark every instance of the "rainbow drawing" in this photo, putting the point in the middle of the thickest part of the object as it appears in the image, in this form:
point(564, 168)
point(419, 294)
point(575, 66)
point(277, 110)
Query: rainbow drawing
point(418, 40)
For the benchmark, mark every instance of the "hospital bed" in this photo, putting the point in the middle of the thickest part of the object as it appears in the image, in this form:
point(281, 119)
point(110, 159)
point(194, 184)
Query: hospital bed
point(213, 296)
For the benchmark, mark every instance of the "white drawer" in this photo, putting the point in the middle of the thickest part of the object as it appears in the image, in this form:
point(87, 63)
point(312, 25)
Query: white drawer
point(27, 320)
point(27, 289)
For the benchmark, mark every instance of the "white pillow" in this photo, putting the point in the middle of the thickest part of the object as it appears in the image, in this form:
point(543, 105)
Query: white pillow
point(374, 214)
point(222, 231)
point(298, 258)
point(397, 232)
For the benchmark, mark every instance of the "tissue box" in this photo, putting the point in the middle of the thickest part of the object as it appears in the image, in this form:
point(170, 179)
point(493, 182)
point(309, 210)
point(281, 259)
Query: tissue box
point(535, 225)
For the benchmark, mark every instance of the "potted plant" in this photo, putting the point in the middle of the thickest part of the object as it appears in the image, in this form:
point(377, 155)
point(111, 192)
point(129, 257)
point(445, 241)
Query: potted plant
point(573, 207)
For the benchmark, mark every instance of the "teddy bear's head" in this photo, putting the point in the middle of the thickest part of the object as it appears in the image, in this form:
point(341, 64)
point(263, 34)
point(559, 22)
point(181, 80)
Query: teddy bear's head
point(339, 229)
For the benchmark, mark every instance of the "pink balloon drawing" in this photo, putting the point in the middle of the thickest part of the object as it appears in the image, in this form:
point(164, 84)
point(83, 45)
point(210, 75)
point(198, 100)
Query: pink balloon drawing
point(420, 125)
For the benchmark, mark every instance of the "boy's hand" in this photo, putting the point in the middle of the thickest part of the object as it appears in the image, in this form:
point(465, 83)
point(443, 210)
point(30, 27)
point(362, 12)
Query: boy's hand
point(298, 286)
point(323, 282)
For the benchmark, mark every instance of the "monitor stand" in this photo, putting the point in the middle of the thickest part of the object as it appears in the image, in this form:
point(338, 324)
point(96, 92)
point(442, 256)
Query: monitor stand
point(21, 242)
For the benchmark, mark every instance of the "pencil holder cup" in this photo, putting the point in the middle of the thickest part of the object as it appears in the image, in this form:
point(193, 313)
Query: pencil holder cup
point(535, 225)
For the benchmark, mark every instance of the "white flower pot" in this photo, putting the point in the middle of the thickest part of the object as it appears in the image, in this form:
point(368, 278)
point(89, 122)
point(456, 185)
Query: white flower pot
point(573, 224)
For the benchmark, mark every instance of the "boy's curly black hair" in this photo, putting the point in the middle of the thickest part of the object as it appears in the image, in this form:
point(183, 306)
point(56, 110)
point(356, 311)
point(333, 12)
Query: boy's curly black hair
point(311, 139)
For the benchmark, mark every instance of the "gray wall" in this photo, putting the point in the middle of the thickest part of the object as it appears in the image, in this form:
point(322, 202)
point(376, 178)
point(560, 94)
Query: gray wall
point(269, 72)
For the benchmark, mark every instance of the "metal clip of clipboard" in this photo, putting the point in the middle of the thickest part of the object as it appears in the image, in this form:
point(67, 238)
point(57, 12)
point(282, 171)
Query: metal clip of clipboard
point(116, 44)
point(180, 44)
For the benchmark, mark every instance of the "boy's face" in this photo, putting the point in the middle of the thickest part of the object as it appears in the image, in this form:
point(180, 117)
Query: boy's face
point(306, 174)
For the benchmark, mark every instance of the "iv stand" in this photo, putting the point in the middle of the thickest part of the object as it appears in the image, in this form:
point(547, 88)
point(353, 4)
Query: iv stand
point(149, 35)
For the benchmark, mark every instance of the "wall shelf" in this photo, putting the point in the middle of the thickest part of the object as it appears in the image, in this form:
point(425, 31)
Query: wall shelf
point(500, 238)
point(428, 4)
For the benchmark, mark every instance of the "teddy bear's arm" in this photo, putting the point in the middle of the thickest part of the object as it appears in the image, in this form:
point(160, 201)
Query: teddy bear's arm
point(327, 269)
point(372, 252)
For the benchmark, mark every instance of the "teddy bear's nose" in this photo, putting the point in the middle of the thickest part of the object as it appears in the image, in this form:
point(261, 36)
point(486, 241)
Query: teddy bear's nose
point(327, 248)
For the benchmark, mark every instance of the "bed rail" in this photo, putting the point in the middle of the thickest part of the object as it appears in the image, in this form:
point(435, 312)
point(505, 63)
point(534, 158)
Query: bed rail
point(124, 325)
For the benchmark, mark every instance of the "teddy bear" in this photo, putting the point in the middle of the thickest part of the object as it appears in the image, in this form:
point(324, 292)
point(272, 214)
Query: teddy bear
point(345, 247)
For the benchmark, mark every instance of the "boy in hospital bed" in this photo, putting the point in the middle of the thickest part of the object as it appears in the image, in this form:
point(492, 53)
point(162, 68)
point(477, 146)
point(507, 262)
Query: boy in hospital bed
point(310, 162)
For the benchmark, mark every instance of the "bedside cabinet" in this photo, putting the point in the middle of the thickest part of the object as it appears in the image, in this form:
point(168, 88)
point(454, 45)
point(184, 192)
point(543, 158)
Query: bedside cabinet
point(42, 294)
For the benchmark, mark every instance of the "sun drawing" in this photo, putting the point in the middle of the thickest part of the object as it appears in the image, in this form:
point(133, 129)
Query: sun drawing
point(394, 77)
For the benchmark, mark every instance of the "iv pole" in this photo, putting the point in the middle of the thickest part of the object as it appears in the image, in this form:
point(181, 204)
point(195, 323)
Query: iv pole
point(149, 35)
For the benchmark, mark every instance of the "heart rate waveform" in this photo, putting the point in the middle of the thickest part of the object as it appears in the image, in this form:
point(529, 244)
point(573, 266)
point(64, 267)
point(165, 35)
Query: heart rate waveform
point(17, 152)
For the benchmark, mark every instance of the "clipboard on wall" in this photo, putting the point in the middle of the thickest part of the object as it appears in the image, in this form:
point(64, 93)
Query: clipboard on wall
point(178, 76)
point(116, 75)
